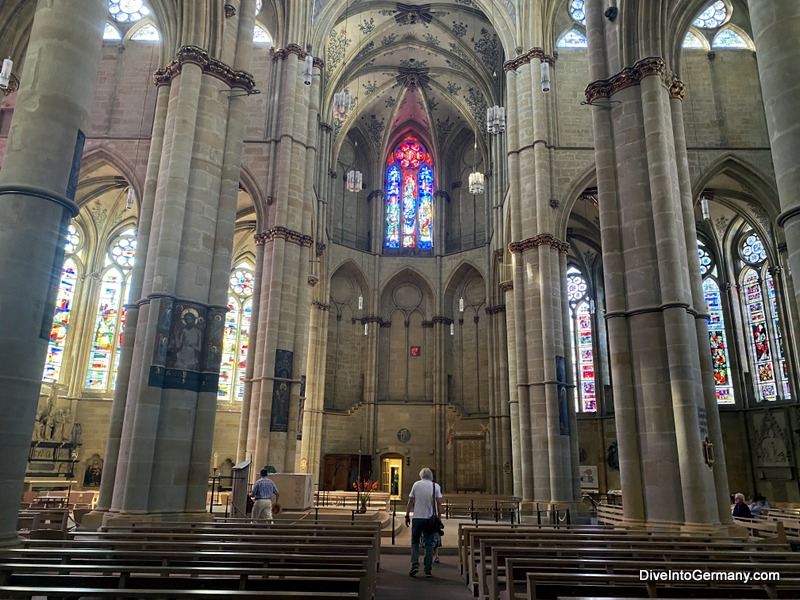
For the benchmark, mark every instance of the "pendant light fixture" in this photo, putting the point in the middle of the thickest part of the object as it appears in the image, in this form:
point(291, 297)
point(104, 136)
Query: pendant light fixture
point(341, 105)
point(5, 73)
point(476, 177)
point(495, 120)
point(354, 182)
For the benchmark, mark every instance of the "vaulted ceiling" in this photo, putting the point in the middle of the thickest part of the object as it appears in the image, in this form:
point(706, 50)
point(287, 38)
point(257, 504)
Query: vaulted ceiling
point(428, 68)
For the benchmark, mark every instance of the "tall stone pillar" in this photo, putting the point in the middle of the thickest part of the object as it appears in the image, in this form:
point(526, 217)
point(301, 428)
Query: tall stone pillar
point(286, 276)
point(310, 455)
point(499, 417)
point(658, 357)
point(775, 29)
point(544, 412)
point(161, 468)
point(37, 193)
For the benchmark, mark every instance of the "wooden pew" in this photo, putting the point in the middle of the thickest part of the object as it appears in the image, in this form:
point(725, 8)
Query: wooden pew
point(517, 570)
point(350, 561)
point(551, 584)
point(17, 591)
point(494, 551)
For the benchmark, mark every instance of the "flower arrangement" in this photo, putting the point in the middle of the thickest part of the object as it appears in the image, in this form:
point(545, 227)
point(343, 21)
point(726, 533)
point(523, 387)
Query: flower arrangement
point(365, 487)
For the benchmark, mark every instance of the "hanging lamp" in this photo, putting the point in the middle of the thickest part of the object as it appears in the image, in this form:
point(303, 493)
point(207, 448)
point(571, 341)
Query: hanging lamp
point(476, 177)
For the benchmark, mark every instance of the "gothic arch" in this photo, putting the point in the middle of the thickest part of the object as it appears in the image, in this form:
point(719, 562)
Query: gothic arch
point(759, 187)
point(96, 157)
point(586, 178)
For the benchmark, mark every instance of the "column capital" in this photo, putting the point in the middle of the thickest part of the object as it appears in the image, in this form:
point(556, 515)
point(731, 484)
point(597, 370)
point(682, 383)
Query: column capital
point(631, 76)
point(284, 53)
point(523, 59)
point(209, 66)
point(543, 239)
point(287, 234)
point(496, 310)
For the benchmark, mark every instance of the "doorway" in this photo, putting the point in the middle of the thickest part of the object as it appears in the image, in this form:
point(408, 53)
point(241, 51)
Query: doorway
point(392, 477)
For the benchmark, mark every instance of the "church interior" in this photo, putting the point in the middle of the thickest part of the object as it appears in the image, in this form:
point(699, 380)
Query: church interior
point(543, 247)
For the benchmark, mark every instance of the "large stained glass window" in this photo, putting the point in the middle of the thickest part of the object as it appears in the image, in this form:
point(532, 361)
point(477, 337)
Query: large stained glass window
point(409, 197)
point(128, 11)
point(63, 311)
point(572, 39)
point(110, 320)
point(716, 327)
point(235, 340)
point(763, 328)
point(580, 305)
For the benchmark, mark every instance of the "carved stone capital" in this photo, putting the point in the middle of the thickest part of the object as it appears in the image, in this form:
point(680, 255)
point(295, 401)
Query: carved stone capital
point(427, 324)
point(325, 127)
point(542, 239)
point(507, 285)
point(677, 89)
point(325, 307)
point(629, 77)
point(526, 57)
point(313, 280)
point(320, 248)
point(230, 10)
point(209, 66)
point(442, 320)
point(495, 310)
point(284, 53)
point(287, 234)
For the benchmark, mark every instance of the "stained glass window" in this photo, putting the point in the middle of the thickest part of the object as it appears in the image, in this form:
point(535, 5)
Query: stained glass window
point(573, 39)
point(63, 310)
point(727, 38)
point(111, 33)
point(409, 197)
point(236, 337)
point(146, 33)
point(127, 11)
point(583, 339)
point(110, 319)
point(577, 11)
point(713, 16)
point(692, 41)
point(261, 36)
point(716, 328)
point(762, 323)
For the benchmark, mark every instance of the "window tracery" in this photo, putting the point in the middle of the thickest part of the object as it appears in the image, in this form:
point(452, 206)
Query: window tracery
point(572, 39)
point(409, 197)
point(713, 16)
point(720, 356)
point(236, 336)
point(127, 11)
point(577, 11)
point(728, 38)
point(762, 318)
point(104, 354)
point(582, 332)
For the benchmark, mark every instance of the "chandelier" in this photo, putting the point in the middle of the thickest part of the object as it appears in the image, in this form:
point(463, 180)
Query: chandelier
point(341, 105)
point(476, 177)
point(354, 181)
point(495, 119)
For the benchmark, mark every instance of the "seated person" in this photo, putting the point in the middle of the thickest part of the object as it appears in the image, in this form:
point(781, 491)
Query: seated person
point(758, 505)
point(740, 508)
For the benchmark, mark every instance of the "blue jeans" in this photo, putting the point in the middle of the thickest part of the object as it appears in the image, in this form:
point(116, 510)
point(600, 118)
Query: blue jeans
point(417, 527)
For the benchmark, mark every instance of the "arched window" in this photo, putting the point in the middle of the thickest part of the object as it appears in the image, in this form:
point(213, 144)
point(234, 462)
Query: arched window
point(572, 39)
point(63, 311)
point(728, 38)
point(146, 33)
point(692, 41)
point(763, 327)
point(110, 320)
point(261, 35)
point(581, 309)
point(111, 33)
point(235, 340)
point(716, 327)
point(409, 197)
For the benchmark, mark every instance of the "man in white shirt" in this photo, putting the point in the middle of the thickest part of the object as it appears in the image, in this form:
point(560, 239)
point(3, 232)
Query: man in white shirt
point(421, 503)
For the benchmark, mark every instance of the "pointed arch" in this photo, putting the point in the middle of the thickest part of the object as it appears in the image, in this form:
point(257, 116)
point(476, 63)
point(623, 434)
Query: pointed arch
point(761, 187)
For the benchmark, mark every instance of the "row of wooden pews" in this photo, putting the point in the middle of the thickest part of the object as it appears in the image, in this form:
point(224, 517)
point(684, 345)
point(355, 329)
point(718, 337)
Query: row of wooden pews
point(542, 562)
point(199, 560)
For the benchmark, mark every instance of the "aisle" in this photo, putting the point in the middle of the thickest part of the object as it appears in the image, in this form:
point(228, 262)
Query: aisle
point(395, 584)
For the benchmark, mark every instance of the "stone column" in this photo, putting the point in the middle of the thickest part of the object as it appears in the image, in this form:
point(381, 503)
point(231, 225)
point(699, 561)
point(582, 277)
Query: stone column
point(289, 248)
point(37, 200)
point(168, 422)
point(660, 396)
point(775, 26)
point(499, 418)
point(545, 434)
point(310, 455)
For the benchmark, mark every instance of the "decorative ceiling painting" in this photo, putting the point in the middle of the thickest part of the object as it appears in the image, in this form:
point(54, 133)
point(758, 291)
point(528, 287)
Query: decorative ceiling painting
point(433, 68)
